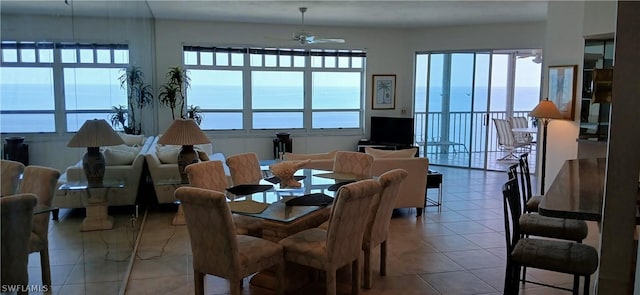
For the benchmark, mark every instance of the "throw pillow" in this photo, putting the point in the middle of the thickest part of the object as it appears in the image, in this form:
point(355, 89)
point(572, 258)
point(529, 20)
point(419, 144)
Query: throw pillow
point(324, 156)
point(118, 157)
point(376, 153)
point(130, 139)
point(126, 148)
point(168, 154)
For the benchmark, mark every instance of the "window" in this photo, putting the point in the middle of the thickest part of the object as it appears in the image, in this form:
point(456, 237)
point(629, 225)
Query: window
point(38, 76)
point(276, 88)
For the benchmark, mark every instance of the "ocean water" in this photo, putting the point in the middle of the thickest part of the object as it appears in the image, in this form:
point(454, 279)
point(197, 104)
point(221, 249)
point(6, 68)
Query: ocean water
point(38, 97)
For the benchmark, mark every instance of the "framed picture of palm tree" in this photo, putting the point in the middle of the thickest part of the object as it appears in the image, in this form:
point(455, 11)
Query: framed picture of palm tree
point(384, 92)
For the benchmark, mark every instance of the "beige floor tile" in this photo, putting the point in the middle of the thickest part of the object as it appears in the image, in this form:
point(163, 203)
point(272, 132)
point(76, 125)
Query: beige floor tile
point(457, 283)
point(475, 259)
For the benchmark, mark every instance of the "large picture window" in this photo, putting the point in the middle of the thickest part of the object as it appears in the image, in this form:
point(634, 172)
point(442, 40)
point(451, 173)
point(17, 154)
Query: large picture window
point(81, 79)
point(275, 88)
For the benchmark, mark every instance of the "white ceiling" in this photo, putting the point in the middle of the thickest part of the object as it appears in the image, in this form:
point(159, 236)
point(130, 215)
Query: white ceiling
point(355, 13)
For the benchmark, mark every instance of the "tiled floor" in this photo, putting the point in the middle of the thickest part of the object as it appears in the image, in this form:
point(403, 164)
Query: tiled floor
point(458, 251)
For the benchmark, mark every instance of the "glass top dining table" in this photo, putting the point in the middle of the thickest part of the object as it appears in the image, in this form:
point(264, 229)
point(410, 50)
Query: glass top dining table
point(314, 181)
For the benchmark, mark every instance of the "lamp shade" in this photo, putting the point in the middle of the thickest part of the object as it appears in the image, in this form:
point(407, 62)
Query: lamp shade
point(95, 133)
point(183, 132)
point(546, 110)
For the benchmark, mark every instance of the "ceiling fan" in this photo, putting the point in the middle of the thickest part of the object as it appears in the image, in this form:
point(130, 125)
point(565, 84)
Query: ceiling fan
point(303, 37)
point(535, 53)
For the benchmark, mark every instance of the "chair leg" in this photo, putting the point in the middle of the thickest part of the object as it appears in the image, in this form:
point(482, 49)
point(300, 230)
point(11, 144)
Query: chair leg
point(46, 269)
point(515, 286)
point(355, 277)
point(586, 284)
point(367, 268)
point(235, 286)
point(330, 281)
point(383, 258)
point(576, 284)
point(198, 282)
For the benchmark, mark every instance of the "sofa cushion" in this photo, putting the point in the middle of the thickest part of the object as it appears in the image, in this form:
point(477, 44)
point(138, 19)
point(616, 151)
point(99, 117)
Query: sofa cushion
point(168, 154)
point(379, 154)
point(125, 148)
point(323, 156)
point(114, 157)
point(133, 140)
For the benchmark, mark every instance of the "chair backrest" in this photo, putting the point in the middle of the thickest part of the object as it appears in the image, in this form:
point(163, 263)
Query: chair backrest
point(512, 173)
point(346, 222)
point(504, 133)
point(16, 215)
point(42, 182)
point(207, 175)
point(512, 212)
point(244, 168)
point(525, 177)
point(10, 176)
point(353, 163)
point(377, 228)
point(211, 231)
point(521, 122)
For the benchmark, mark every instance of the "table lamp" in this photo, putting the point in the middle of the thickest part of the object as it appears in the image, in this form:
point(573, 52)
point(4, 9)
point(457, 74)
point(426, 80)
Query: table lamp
point(184, 132)
point(93, 134)
point(545, 111)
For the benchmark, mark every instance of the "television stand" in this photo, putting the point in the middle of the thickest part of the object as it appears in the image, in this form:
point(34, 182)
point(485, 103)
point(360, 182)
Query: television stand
point(381, 146)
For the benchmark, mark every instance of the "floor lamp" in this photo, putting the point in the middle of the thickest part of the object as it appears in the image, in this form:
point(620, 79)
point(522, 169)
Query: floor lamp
point(545, 111)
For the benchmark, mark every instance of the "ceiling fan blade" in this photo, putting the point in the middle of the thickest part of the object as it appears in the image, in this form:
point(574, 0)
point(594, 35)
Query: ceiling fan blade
point(327, 40)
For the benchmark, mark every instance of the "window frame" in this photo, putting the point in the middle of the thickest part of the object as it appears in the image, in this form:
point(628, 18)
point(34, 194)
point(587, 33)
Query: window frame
point(247, 69)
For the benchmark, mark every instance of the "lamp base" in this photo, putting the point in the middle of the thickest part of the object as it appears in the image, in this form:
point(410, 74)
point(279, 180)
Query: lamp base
point(186, 157)
point(94, 165)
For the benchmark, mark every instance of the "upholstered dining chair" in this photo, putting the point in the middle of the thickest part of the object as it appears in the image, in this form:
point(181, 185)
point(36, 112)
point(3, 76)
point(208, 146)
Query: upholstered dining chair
point(554, 255)
point(16, 217)
point(41, 181)
point(377, 229)
point(10, 173)
point(210, 175)
point(244, 168)
point(353, 163)
point(341, 244)
point(216, 248)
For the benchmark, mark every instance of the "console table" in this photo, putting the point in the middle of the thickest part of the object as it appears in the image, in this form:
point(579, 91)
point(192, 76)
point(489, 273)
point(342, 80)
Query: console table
point(434, 181)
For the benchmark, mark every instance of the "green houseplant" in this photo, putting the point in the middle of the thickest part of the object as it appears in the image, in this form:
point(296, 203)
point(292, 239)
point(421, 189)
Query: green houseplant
point(139, 95)
point(194, 112)
point(172, 94)
point(119, 118)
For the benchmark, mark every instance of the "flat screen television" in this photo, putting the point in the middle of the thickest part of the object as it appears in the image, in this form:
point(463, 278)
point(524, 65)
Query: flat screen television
point(391, 130)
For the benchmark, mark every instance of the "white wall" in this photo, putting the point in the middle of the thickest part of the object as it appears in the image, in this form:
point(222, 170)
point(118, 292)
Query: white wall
point(389, 51)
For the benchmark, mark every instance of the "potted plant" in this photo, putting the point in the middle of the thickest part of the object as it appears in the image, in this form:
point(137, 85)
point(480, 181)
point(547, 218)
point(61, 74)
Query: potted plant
point(194, 113)
point(119, 118)
point(172, 93)
point(139, 94)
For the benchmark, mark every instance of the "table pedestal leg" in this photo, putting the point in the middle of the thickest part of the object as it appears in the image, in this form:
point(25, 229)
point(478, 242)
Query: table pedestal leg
point(97, 210)
point(178, 219)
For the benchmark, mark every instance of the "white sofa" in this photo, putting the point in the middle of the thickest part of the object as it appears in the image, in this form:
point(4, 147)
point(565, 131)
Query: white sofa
point(130, 173)
point(413, 189)
point(163, 169)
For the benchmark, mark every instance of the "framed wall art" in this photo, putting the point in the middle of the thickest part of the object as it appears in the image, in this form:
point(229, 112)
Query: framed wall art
point(384, 92)
point(562, 89)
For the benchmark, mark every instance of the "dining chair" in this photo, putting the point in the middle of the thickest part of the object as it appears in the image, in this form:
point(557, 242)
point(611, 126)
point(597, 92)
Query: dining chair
point(341, 243)
point(244, 168)
point(524, 137)
point(42, 182)
point(216, 248)
point(10, 176)
point(506, 140)
point(553, 255)
point(210, 175)
point(530, 201)
point(16, 213)
point(353, 163)
point(377, 229)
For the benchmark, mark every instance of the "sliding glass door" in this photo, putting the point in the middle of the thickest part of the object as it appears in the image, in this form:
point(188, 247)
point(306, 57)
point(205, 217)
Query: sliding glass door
point(457, 96)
